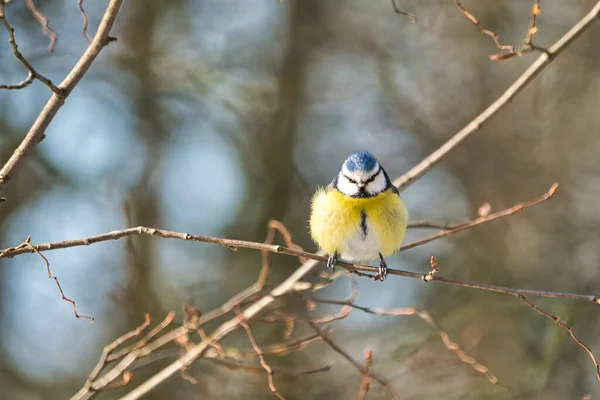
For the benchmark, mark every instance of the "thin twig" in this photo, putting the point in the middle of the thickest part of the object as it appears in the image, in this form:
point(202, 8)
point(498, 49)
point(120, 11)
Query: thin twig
point(432, 225)
point(235, 355)
point(480, 220)
point(122, 366)
point(43, 21)
point(484, 31)
point(425, 316)
point(363, 370)
point(285, 348)
point(222, 331)
point(566, 327)
point(343, 313)
point(366, 382)
point(156, 330)
point(535, 11)
point(33, 74)
point(36, 132)
point(543, 61)
point(259, 353)
point(86, 21)
point(275, 225)
point(411, 16)
point(527, 43)
point(294, 373)
point(107, 351)
point(51, 276)
point(235, 244)
point(85, 392)
point(177, 333)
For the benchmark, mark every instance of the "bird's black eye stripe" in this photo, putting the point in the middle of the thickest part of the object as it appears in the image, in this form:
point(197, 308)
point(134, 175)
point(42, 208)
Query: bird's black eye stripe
point(371, 179)
point(350, 179)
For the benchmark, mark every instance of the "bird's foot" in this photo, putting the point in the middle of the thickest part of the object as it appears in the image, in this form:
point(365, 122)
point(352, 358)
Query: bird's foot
point(333, 259)
point(383, 269)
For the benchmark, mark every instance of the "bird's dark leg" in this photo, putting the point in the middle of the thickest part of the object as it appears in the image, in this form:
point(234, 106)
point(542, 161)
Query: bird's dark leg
point(333, 259)
point(383, 269)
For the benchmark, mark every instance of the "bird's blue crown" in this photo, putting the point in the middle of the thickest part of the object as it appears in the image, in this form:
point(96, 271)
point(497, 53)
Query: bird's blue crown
point(361, 161)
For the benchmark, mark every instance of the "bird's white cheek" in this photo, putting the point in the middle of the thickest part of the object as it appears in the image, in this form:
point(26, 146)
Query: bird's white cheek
point(346, 187)
point(378, 185)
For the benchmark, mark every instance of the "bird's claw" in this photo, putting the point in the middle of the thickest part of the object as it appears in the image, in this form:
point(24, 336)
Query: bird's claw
point(333, 259)
point(383, 269)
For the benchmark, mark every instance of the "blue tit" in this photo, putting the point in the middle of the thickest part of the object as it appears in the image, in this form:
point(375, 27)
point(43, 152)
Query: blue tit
point(360, 216)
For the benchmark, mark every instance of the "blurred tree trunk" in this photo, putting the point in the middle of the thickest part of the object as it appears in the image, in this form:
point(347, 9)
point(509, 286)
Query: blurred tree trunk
point(142, 202)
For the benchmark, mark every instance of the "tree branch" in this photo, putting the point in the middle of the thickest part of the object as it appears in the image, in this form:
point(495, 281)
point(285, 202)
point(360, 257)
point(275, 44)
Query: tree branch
point(298, 252)
point(363, 370)
point(562, 324)
point(425, 316)
point(260, 354)
point(37, 131)
point(546, 58)
point(33, 74)
point(44, 23)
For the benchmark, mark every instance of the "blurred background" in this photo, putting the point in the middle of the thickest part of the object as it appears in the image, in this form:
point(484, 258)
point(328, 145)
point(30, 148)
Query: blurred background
point(212, 117)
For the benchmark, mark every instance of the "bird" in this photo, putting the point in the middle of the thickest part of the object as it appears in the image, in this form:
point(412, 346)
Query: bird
point(360, 215)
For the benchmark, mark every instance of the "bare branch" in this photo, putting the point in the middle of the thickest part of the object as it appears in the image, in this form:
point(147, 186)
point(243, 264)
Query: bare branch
point(258, 369)
point(527, 43)
point(260, 354)
point(411, 16)
point(535, 11)
point(106, 352)
point(122, 369)
point(543, 61)
point(85, 392)
point(432, 225)
point(155, 331)
point(43, 21)
point(51, 276)
point(478, 221)
point(424, 315)
point(36, 132)
point(492, 34)
point(86, 21)
point(33, 74)
point(568, 329)
point(225, 329)
point(363, 370)
point(366, 382)
point(235, 244)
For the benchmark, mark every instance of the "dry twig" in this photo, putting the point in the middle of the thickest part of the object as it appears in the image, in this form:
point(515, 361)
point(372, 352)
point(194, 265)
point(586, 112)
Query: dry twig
point(43, 21)
point(492, 34)
point(544, 60)
point(397, 10)
point(366, 382)
point(527, 43)
point(562, 324)
point(27, 244)
point(155, 331)
point(86, 21)
point(363, 370)
point(480, 220)
point(424, 315)
point(36, 132)
point(260, 354)
point(122, 369)
point(85, 392)
point(33, 74)
point(235, 244)
point(294, 373)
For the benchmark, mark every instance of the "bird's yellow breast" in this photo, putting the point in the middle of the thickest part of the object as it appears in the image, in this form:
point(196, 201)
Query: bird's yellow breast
point(337, 224)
